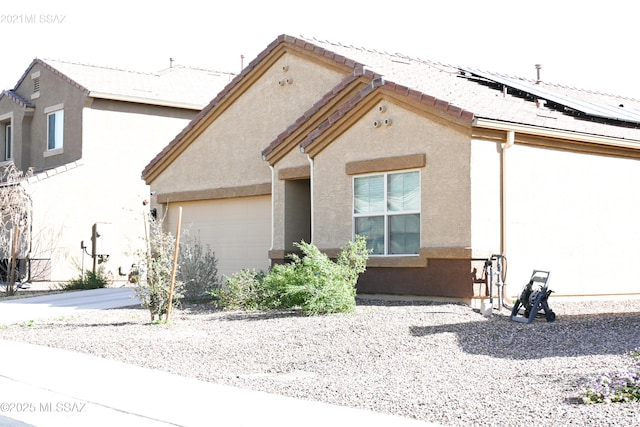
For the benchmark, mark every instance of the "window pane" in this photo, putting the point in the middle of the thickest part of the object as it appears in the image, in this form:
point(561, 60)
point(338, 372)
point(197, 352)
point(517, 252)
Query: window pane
point(372, 228)
point(403, 192)
point(404, 234)
point(369, 194)
point(7, 143)
point(51, 138)
point(56, 130)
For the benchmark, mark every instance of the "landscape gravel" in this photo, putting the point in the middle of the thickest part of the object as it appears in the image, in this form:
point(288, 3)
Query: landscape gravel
point(440, 362)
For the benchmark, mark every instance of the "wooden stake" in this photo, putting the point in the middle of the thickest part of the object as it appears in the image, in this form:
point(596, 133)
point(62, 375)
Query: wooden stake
point(175, 263)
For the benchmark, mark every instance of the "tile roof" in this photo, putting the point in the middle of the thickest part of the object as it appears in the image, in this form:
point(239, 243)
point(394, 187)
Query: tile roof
point(485, 97)
point(178, 86)
point(24, 103)
point(449, 88)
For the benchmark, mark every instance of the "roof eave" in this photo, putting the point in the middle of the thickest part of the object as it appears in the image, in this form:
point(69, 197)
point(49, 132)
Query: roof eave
point(143, 100)
point(493, 124)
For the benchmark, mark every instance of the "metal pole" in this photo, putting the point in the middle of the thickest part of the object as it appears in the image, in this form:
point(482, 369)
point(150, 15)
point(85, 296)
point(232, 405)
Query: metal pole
point(175, 263)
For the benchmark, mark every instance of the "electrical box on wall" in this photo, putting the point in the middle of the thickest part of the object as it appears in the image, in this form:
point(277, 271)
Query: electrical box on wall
point(101, 238)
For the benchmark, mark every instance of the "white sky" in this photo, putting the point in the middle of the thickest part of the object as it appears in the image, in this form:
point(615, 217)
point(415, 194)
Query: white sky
point(591, 45)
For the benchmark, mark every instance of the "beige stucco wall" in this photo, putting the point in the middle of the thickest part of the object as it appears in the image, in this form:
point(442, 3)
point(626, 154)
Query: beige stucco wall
point(106, 188)
point(575, 215)
point(237, 230)
point(228, 152)
point(445, 200)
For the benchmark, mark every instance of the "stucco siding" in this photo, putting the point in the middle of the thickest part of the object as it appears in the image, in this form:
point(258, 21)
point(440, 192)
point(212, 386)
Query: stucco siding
point(445, 200)
point(237, 230)
point(485, 198)
point(293, 160)
point(54, 91)
point(228, 152)
point(576, 216)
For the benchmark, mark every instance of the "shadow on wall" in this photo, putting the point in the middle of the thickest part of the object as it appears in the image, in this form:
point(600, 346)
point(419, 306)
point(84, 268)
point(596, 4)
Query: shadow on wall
point(569, 336)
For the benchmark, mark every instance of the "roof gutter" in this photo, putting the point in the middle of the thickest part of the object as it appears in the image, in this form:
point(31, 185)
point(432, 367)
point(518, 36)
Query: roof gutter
point(555, 133)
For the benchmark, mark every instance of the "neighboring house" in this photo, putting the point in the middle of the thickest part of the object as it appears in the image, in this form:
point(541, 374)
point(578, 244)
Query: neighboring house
point(439, 166)
point(85, 132)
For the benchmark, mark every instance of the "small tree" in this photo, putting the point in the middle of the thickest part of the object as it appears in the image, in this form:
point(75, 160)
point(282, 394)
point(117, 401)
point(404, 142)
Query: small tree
point(15, 224)
point(152, 277)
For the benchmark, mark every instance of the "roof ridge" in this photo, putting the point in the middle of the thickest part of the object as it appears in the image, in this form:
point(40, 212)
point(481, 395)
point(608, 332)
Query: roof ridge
point(104, 67)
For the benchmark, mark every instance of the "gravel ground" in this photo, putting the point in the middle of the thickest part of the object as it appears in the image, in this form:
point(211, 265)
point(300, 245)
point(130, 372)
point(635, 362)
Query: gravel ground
point(439, 362)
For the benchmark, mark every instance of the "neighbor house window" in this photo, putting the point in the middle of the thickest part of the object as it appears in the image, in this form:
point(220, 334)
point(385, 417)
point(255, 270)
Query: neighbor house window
point(8, 142)
point(386, 210)
point(55, 130)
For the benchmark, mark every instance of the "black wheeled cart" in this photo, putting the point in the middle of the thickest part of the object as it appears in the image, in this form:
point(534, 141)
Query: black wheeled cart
point(534, 299)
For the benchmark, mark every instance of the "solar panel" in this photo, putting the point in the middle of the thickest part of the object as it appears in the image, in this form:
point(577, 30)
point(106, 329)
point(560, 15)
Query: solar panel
point(604, 111)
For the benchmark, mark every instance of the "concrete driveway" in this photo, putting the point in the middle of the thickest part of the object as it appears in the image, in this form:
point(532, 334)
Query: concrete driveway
point(65, 303)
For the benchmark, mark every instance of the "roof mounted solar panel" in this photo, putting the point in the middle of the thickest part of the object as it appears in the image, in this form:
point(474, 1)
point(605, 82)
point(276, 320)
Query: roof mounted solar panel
point(589, 108)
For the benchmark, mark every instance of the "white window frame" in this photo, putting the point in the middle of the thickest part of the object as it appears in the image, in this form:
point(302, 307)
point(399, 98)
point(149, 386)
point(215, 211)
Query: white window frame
point(56, 111)
point(386, 214)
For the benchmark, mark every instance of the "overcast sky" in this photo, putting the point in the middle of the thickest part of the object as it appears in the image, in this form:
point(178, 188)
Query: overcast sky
point(590, 45)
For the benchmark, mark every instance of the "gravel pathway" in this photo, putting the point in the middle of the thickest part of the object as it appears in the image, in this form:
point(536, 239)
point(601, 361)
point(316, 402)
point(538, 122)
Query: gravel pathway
point(438, 362)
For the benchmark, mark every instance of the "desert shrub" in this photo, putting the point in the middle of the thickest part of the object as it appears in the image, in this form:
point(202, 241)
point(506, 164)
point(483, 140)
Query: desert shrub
point(198, 270)
point(152, 276)
point(88, 280)
point(312, 282)
point(242, 291)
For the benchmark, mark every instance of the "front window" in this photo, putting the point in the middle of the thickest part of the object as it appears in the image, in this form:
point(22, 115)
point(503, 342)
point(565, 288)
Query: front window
point(8, 144)
point(386, 210)
point(55, 130)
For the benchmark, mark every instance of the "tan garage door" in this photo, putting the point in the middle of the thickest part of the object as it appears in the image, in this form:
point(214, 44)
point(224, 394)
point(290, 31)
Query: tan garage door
point(238, 230)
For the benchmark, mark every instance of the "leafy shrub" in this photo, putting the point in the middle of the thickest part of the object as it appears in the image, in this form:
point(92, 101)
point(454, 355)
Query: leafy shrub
point(312, 282)
point(88, 280)
point(198, 269)
point(618, 387)
point(243, 291)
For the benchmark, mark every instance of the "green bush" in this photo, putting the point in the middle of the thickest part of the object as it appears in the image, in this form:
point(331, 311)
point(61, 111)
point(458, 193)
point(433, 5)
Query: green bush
point(312, 282)
point(88, 280)
point(242, 291)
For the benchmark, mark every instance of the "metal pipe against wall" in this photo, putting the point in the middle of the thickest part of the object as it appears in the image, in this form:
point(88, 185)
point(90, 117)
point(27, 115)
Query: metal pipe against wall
point(510, 140)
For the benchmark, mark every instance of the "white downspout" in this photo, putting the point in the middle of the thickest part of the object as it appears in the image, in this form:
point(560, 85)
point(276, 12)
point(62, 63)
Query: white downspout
point(273, 205)
point(510, 140)
point(311, 193)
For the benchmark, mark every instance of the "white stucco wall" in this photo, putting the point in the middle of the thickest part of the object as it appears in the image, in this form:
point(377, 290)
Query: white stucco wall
point(485, 198)
point(575, 215)
point(106, 188)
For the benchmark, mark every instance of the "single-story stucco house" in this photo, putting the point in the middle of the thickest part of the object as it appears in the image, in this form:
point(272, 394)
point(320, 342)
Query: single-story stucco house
point(438, 166)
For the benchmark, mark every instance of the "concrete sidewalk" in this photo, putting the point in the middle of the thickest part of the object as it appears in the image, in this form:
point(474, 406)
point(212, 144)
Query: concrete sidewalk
point(65, 303)
point(44, 386)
